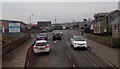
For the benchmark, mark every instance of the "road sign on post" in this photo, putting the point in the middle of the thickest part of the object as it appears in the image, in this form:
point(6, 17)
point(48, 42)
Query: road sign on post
point(14, 27)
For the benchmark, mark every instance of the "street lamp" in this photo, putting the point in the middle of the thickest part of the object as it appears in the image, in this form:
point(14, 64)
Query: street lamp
point(31, 17)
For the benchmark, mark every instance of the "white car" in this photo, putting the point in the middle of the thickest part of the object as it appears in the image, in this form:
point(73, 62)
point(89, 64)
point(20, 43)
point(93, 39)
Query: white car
point(41, 46)
point(78, 42)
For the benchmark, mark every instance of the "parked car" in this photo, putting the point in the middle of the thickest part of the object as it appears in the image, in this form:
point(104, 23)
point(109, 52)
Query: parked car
point(57, 35)
point(44, 35)
point(41, 46)
point(78, 42)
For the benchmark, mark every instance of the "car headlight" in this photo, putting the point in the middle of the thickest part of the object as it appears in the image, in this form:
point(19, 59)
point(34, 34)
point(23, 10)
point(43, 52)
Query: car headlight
point(85, 43)
point(75, 43)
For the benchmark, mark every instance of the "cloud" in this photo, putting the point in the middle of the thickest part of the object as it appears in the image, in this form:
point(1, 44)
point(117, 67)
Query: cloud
point(64, 11)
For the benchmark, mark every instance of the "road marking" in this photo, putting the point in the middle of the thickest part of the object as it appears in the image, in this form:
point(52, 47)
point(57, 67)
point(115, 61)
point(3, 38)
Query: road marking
point(74, 66)
point(107, 61)
point(55, 41)
point(69, 54)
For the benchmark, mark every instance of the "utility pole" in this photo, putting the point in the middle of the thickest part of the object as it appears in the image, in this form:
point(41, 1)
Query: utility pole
point(55, 20)
point(31, 18)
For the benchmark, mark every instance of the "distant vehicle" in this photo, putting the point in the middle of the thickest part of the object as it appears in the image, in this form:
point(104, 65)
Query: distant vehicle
point(57, 35)
point(44, 30)
point(57, 31)
point(37, 38)
point(64, 27)
point(71, 28)
point(44, 35)
point(41, 46)
point(78, 42)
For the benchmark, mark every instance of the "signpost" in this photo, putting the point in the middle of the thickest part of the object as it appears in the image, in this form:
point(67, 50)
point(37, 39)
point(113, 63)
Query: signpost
point(14, 27)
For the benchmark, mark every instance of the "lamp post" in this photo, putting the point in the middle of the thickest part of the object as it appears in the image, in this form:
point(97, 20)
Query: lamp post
point(31, 18)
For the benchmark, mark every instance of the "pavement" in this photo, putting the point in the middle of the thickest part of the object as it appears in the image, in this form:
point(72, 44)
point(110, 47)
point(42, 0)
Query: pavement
point(107, 53)
point(16, 57)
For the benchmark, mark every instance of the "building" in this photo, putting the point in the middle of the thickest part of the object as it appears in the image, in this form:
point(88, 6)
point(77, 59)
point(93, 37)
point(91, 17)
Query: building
point(102, 22)
point(43, 24)
point(5, 24)
point(116, 28)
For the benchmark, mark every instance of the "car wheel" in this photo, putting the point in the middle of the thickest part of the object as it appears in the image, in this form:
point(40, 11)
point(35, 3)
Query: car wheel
point(74, 48)
point(60, 39)
point(36, 54)
point(48, 52)
point(71, 45)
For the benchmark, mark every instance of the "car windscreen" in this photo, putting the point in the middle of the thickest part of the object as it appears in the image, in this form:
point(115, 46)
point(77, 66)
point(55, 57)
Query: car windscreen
point(79, 39)
point(56, 33)
point(41, 44)
point(42, 34)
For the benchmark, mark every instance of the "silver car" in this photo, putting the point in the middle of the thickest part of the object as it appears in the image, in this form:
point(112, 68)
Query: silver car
point(41, 46)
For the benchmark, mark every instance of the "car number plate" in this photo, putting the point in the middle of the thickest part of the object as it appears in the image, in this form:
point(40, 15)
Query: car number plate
point(41, 48)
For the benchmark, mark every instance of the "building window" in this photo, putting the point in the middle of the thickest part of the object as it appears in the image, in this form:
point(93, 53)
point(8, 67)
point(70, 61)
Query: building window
point(116, 28)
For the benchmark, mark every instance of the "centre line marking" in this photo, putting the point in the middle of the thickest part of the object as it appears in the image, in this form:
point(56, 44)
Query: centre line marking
point(69, 54)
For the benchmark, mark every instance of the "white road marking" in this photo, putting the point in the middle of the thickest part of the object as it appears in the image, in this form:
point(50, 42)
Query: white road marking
point(74, 65)
point(69, 54)
point(101, 57)
point(55, 41)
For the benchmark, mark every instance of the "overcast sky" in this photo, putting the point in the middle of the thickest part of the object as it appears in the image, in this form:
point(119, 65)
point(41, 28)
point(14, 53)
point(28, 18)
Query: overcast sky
point(63, 11)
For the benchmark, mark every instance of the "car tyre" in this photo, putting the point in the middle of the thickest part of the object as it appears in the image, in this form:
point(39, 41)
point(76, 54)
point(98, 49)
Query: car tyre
point(74, 48)
point(71, 45)
point(36, 54)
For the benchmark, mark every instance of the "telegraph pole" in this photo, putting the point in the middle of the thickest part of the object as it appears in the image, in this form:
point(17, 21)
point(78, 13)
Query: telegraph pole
point(55, 20)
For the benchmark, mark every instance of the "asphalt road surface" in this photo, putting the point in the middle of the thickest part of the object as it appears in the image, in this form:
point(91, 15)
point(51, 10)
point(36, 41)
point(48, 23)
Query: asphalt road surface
point(63, 55)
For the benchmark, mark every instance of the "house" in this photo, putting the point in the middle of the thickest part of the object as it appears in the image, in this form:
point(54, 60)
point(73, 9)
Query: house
point(5, 25)
point(116, 28)
point(102, 22)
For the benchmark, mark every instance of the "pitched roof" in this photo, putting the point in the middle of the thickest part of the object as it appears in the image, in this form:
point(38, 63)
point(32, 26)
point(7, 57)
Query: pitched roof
point(106, 15)
point(110, 13)
point(116, 21)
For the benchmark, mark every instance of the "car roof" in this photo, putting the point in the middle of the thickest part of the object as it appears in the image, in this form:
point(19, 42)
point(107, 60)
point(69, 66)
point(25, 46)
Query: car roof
point(39, 36)
point(41, 41)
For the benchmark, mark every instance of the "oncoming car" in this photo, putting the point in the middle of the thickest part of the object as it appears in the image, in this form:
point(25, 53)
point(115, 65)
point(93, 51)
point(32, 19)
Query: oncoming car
point(78, 42)
point(41, 46)
point(57, 35)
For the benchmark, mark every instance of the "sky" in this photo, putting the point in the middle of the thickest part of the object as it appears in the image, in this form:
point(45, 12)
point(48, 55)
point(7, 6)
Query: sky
point(63, 11)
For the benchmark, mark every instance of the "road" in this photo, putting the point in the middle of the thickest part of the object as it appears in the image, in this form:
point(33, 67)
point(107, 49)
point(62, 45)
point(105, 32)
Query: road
point(63, 55)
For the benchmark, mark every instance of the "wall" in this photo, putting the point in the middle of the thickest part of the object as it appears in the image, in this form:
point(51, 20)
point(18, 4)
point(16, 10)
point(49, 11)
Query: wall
point(12, 45)
point(102, 40)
